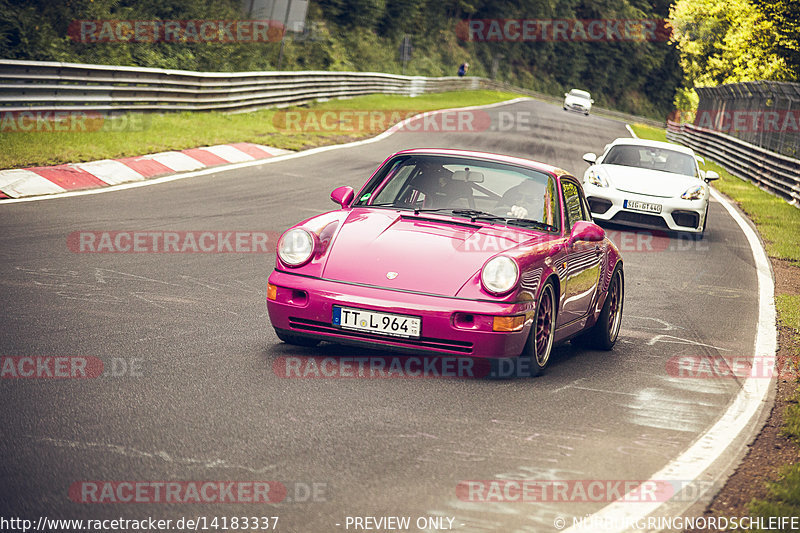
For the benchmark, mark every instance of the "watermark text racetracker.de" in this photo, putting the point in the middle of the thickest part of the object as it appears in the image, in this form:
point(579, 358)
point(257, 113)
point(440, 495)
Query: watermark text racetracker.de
point(196, 492)
point(44, 367)
point(404, 120)
point(742, 120)
point(401, 367)
point(627, 241)
point(378, 367)
point(562, 30)
point(732, 367)
point(175, 31)
point(72, 121)
point(165, 242)
point(579, 491)
point(378, 120)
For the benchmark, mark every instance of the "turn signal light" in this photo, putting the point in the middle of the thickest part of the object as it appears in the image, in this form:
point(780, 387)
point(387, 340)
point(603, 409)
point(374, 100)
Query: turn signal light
point(272, 291)
point(508, 323)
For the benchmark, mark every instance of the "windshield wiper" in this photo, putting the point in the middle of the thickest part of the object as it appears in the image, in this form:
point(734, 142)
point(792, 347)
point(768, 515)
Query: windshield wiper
point(531, 223)
point(418, 210)
point(473, 214)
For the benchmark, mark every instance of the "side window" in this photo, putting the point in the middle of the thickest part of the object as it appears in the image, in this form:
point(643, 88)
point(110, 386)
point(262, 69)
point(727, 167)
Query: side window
point(573, 204)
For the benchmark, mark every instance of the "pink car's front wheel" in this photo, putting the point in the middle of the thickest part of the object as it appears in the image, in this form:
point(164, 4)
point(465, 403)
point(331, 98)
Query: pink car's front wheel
point(540, 343)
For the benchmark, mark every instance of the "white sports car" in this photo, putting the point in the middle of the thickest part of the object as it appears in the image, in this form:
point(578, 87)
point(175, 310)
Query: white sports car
point(648, 184)
point(577, 100)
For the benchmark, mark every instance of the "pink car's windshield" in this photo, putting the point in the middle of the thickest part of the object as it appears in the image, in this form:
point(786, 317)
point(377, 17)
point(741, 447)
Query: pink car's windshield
point(443, 183)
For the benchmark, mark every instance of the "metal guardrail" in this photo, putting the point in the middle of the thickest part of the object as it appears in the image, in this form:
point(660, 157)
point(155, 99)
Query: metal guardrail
point(759, 100)
point(771, 171)
point(48, 86)
point(41, 86)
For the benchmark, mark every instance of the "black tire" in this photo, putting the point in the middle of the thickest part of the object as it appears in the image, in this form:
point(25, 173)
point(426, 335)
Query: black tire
point(536, 354)
point(296, 340)
point(604, 333)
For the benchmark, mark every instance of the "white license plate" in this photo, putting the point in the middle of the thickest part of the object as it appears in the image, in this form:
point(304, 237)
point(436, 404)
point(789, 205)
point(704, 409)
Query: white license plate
point(374, 322)
point(636, 205)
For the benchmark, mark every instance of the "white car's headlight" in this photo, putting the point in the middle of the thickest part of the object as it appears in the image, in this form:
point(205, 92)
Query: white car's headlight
point(593, 177)
point(296, 247)
point(499, 275)
point(694, 192)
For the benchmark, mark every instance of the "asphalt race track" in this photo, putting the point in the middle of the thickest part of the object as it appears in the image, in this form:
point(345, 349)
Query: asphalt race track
point(189, 392)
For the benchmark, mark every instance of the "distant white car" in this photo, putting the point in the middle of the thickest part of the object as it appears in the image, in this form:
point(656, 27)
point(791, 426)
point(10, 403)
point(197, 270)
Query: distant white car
point(577, 100)
point(648, 184)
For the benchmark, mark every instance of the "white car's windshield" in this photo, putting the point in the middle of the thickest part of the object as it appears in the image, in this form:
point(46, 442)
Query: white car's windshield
point(652, 158)
point(489, 190)
point(580, 94)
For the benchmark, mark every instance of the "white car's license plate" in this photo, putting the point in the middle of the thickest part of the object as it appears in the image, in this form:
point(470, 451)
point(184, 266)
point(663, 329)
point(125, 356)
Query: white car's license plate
point(636, 205)
point(374, 322)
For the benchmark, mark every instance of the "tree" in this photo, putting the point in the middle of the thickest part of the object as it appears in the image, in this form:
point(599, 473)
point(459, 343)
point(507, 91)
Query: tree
point(638, 77)
point(725, 41)
point(785, 17)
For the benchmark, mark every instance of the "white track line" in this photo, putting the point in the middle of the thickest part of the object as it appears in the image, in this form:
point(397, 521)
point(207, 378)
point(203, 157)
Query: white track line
point(236, 166)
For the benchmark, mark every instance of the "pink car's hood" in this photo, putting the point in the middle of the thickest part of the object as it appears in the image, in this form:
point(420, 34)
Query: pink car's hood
point(428, 253)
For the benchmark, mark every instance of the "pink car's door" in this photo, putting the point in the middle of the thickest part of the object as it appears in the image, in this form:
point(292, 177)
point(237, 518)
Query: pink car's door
point(583, 260)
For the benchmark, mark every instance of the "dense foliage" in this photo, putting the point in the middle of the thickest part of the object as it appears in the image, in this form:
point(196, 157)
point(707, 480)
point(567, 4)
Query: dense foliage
point(364, 35)
point(727, 41)
point(730, 41)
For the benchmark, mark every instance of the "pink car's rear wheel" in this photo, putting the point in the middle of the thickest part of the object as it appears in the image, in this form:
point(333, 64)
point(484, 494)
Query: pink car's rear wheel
point(604, 333)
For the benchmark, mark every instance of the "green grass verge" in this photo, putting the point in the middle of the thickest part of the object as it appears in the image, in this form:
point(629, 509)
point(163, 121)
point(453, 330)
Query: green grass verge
point(779, 225)
point(784, 495)
point(178, 131)
point(788, 306)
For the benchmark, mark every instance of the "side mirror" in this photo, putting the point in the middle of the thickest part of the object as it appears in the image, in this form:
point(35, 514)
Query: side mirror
point(586, 231)
point(710, 175)
point(343, 196)
point(592, 100)
point(590, 158)
point(566, 94)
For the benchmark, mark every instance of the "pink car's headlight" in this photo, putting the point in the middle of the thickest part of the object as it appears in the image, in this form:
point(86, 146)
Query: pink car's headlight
point(296, 247)
point(500, 274)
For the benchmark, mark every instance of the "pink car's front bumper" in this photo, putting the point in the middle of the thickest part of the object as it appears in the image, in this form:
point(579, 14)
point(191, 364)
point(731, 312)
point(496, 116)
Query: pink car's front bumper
point(304, 306)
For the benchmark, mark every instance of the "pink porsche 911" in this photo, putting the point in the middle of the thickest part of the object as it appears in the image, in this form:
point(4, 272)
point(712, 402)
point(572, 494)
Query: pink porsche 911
point(452, 252)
